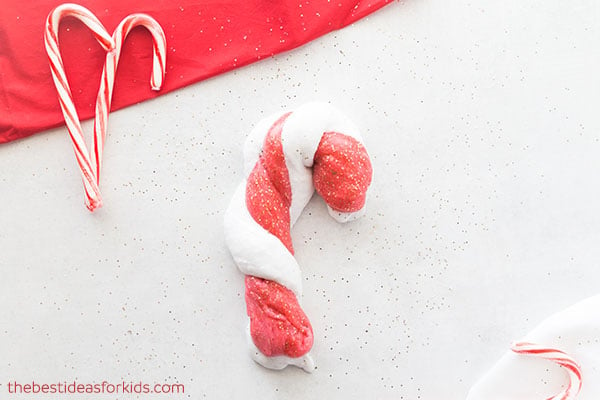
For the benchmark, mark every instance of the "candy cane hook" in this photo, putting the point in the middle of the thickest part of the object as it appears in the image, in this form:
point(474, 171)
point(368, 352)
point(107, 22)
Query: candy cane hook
point(104, 99)
point(559, 357)
point(287, 157)
point(65, 97)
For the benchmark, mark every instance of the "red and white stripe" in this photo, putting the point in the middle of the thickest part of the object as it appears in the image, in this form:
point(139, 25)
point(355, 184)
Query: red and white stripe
point(288, 156)
point(90, 161)
point(90, 181)
point(559, 357)
point(105, 92)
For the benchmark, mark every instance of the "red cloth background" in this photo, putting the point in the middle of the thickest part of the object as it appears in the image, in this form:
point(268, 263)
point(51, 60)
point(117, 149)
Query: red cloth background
point(204, 38)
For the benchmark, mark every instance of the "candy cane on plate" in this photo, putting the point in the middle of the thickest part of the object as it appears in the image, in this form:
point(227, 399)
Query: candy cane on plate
point(287, 157)
point(107, 82)
point(90, 181)
point(559, 357)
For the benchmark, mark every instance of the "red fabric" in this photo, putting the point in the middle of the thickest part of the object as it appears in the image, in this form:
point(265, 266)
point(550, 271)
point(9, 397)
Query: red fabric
point(204, 38)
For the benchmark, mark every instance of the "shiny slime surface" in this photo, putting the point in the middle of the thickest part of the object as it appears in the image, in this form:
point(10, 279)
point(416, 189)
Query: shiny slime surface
point(341, 175)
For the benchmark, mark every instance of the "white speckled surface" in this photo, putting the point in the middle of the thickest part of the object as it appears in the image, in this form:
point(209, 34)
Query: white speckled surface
point(482, 121)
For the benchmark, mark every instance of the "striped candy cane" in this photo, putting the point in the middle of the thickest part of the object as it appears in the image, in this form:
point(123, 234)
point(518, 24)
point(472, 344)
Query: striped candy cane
point(287, 157)
point(104, 99)
point(90, 181)
point(559, 357)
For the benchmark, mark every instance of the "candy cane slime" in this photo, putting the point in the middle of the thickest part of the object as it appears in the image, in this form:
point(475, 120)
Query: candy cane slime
point(65, 97)
point(560, 358)
point(104, 99)
point(286, 158)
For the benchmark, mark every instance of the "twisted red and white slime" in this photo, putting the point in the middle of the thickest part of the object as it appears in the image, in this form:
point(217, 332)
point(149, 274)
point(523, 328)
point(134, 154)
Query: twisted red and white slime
point(89, 161)
point(560, 358)
point(287, 157)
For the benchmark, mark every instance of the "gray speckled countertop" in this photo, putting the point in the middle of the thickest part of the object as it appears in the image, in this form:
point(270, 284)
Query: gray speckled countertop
point(482, 122)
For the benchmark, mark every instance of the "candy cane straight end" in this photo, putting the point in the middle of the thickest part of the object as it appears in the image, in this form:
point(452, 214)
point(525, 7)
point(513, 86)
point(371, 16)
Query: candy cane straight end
point(94, 205)
point(558, 357)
